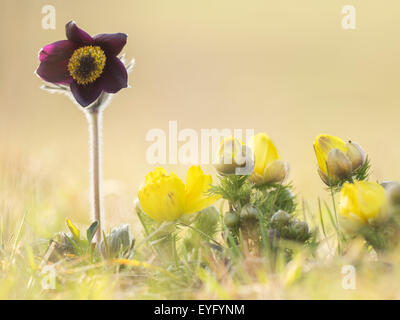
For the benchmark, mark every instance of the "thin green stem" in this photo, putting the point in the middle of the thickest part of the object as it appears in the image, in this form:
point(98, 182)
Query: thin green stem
point(151, 235)
point(334, 208)
point(202, 233)
point(94, 116)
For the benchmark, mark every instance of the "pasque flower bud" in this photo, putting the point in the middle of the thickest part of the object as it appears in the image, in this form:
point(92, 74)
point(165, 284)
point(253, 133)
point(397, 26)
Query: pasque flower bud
point(118, 242)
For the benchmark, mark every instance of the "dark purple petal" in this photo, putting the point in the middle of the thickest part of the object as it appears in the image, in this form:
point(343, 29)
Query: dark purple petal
point(86, 94)
point(54, 71)
point(56, 51)
point(76, 34)
point(111, 43)
point(115, 76)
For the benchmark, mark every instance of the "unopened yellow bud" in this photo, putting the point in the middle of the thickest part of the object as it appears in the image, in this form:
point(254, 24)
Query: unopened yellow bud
point(337, 160)
point(339, 165)
point(233, 155)
point(356, 154)
point(268, 166)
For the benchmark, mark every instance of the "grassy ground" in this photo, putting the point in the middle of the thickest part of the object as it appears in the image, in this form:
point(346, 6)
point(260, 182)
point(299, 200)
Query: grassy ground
point(274, 66)
point(34, 205)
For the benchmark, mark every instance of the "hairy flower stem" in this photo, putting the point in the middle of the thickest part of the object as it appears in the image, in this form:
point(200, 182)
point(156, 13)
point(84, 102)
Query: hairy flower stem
point(94, 116)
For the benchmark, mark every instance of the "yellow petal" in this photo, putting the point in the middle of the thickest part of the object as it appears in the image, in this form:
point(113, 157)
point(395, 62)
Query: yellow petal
point(363, 201)
point(230, 145)
point(265, 152)
point(156, 175)
point(256, 178)
point(372, 198)
point(351, 223)
point(197, 186)
point(276, 172)
point(163, 196)
point(349, 201)
point(234, 157)
point(325, 143)
point(356, 154)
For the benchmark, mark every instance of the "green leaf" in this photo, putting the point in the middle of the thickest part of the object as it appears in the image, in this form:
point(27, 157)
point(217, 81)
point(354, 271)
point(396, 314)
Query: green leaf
point(106, 247)
point(331, 217)
point(91, 231)
point(74, 230)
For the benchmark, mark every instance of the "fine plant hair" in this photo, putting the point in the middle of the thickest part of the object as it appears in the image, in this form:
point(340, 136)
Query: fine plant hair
point(94, 115)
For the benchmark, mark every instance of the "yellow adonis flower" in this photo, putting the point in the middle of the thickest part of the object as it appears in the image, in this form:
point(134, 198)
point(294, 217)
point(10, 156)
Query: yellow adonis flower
point(362, 203)
point(164, 197)
point(234, 157)
point(268, 168)
point(337, 157)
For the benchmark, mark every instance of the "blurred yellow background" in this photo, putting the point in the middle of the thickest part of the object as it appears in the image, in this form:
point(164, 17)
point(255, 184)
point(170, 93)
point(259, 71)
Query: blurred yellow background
point(284, 67)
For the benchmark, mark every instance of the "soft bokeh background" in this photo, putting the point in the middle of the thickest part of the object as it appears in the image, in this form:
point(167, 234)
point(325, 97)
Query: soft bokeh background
point(284, 67)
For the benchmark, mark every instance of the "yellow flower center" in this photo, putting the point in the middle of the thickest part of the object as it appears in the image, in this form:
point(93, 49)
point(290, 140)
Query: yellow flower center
point(86, 64)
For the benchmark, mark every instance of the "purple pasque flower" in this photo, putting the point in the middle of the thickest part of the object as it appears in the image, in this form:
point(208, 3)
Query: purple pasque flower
point(89, 65)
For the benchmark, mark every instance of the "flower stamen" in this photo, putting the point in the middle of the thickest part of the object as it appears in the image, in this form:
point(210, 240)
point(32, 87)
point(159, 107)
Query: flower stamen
point(86, 64)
